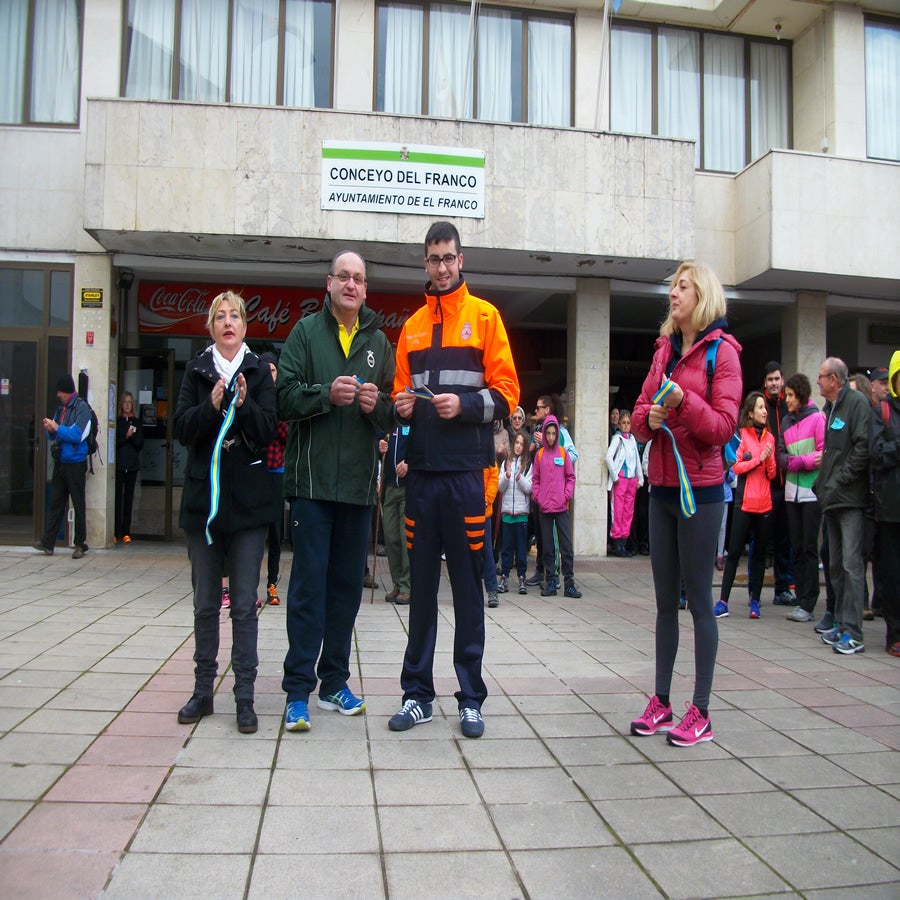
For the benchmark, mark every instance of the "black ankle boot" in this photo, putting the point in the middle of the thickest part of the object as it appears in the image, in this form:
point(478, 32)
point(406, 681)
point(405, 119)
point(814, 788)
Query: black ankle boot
point(195, 709)
point(246, 718)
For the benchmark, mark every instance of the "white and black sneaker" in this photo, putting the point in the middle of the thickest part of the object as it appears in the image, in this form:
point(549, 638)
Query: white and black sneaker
point(413, 712)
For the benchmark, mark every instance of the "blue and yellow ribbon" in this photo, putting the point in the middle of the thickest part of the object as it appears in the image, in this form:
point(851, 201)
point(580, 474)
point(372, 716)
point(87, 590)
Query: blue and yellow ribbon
point(688, 507)
point(215, 464)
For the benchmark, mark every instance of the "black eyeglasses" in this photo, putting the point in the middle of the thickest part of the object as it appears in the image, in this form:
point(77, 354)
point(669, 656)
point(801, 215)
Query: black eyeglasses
point(344, 277)
point(447, 259)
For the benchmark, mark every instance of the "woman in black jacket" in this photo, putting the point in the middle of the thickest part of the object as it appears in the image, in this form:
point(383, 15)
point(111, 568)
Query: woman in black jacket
point(226, 417)
point(129, 441)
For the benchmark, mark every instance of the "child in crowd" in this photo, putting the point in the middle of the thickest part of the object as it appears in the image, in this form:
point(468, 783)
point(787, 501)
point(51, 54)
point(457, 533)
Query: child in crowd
point(553, 486)
point(515, 490)
point(623, 462)
point(755, 468)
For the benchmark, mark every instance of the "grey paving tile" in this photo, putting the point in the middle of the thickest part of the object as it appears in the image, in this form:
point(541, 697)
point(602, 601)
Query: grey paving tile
point(506, 754)
point(659, 819)
point(822, 860)
point(109, 698)
point(396, 753)
point(887, 891)
point(152, 876)
point(792, 719)
point(197, 829)
point(213, 787)
point(22, 747)
point(250, 752)
point(525, 785)
point(883, 841)
point(427, 787)
point(412, 876)
point(67, 721)
point(579, 873)
point(761, 699)
point(542, 826)
point(326, 788)
point(853, 807)
point(414, 829)
point(684, 869)
point(27, 781)
point(623, 782)
point(39, 678)
point(882, 768)
point(586, 751)
point(352, 877)
point(11, 812)
point(768, 813)
point(26, 696)
point(806, 772)
point(714, 776)
point(836, 740)
point(10, 718)
point(657, 749)
point(314, 829)
point(761, 742)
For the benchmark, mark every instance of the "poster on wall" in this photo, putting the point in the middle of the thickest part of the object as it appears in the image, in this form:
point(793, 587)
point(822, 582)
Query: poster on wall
point(168, 307)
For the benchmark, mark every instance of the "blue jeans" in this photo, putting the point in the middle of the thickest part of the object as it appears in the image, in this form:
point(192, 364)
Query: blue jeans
point(324, 593)
point(515, 540)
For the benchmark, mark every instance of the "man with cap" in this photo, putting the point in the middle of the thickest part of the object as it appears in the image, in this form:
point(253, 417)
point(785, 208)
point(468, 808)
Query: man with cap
point(68, 432)
point(881, 389)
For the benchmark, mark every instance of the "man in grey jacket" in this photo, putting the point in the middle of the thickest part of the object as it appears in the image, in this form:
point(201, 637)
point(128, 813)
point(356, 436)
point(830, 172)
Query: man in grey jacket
point(843, 491)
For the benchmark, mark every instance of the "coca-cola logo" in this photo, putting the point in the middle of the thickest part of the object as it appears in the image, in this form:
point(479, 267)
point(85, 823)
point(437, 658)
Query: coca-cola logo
point(191, 301)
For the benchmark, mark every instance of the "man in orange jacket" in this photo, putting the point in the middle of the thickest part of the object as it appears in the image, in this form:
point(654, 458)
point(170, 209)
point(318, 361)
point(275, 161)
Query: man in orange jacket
point(455, 375)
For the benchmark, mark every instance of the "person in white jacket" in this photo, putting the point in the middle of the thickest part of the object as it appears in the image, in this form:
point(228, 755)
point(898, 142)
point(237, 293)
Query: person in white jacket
point(514, 486)
point(623, 463)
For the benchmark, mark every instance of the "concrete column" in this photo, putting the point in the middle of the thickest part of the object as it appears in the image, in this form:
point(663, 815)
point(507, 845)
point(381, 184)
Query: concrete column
point(846, 92)
point(803, 333)
point(95, 351)
point(588, 378)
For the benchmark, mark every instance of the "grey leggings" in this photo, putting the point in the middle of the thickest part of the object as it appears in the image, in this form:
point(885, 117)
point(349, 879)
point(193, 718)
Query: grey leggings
point(684, 548)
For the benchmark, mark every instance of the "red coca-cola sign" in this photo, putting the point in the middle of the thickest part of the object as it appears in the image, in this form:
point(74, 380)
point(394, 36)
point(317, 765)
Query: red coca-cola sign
point(167, 307)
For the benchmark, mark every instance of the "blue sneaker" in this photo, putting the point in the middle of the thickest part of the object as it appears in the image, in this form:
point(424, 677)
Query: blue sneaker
point(343, 702)
point(471, 722)
point(720, 610)
point(848, 645)
point(833, 636)
point(754, 609)
point(413, 712)
point(296, 716)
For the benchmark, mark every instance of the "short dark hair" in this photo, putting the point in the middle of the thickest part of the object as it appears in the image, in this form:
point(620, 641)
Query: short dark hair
point(772, 366)
point(442, 231)
point(800, 385)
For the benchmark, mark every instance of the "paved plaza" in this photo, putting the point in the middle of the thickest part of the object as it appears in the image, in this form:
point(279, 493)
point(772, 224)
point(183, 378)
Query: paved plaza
point(103, 794)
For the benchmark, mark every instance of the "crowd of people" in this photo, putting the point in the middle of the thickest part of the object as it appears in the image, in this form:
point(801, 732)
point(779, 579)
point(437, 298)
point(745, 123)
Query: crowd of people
point(431, 433)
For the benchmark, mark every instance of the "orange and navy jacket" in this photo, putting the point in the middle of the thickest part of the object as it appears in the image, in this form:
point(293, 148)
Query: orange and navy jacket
point(456, 343)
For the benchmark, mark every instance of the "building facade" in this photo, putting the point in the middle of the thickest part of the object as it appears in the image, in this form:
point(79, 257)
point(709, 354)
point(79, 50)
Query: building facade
point(155, 152)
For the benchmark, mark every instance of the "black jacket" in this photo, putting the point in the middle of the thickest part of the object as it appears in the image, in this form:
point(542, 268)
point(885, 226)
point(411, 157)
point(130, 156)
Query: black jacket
point(843, 481)
point(884, 456)
point(128, 449)
point(246, 489)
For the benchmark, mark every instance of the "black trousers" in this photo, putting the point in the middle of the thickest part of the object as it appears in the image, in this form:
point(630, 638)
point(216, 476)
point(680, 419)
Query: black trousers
point(276, 532)
point(743, 525)
point(887, 576)
point(125, 484)
point(68, 481)
point(445, 511)
point(804, 521)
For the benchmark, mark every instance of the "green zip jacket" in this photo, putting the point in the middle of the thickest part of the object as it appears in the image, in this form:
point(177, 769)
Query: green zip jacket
point(331, 451)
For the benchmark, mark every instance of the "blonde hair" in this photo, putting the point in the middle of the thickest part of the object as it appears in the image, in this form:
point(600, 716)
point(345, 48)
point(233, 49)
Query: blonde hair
point(710, 297)
point(236, 301)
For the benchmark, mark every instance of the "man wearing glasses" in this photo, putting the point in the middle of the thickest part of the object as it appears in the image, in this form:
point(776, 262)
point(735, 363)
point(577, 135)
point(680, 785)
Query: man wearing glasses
point(843, 491)
point(455, 376)
point(334, 389)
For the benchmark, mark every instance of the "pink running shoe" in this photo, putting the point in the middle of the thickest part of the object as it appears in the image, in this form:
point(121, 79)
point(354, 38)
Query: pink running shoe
point(694, 728)
point(656, 717)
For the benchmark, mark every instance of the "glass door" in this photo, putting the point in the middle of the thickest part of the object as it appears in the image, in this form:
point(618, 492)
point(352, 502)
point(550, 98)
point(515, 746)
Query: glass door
point(149, 375)
point(21, 434)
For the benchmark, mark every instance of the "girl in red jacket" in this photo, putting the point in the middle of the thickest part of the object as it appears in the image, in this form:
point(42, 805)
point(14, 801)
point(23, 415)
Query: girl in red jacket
point(689, 406)
point(755, 468)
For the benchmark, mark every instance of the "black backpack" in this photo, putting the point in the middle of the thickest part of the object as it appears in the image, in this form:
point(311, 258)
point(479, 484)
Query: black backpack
point(93, 444)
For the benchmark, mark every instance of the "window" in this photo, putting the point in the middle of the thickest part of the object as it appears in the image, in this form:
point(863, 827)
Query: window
point(34, 298)
point(265, 52)
point(883, 89)
point(40, 62)
point(730, 94)
point(513, 66)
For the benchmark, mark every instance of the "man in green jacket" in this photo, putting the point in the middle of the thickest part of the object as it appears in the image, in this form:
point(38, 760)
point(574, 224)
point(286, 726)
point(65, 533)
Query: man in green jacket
point(843, 491)
point(334, 389)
